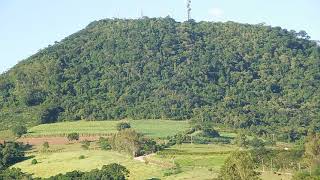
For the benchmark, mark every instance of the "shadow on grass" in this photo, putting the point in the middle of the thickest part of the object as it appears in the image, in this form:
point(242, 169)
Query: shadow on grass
point(27, 157)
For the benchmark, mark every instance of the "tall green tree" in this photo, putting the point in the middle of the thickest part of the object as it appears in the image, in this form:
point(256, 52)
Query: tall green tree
point(239, 166)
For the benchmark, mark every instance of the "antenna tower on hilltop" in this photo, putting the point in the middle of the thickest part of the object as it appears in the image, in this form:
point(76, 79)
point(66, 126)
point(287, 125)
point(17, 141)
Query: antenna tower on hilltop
point(189, 9)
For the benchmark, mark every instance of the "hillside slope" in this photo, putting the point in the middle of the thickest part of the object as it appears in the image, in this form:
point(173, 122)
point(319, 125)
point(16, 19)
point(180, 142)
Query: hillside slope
point(247, 76)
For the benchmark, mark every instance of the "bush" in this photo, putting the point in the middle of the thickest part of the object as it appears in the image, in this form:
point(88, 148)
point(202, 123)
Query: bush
point(172, 171)
point(257, 143)
point(270, 142)
point(82, 157)
point(210, 132)
point(241, 140)
point(220, 140)
point(34, 161)
point(85, 144)
point(19, 130)
point(45, 145)
point(201, 140)
point(149, 146)
point(73, 136)
point(123, 125)
point(104, 143)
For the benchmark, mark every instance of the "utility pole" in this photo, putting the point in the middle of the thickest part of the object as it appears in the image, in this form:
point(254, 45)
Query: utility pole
point(189, 9)
point(273, 137)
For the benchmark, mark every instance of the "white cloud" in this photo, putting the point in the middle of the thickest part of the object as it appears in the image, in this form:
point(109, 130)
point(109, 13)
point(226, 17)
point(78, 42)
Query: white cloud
point(216, 12)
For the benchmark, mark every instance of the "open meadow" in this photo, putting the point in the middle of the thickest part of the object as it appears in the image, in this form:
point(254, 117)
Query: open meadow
point(184, 161)
point(65, 158)
point(150, 128)
point(196, 161)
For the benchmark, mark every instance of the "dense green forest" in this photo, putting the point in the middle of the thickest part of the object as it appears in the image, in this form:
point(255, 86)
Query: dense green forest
point(265, 79)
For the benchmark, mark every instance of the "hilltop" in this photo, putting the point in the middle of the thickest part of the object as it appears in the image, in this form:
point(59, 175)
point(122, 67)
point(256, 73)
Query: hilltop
point(257, 77)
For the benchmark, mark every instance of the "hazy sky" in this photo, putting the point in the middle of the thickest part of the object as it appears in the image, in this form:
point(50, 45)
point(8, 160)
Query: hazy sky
point(29, 25)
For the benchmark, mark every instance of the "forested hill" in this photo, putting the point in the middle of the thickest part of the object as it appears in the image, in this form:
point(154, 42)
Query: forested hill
point(248, 76)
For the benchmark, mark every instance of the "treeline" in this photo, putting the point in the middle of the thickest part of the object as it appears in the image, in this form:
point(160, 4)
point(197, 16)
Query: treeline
point(265, 79)
point(11, 153)
point(108, 172)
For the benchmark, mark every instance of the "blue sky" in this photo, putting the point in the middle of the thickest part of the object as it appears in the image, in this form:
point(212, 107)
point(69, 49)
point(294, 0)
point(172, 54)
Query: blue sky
point(29, 25)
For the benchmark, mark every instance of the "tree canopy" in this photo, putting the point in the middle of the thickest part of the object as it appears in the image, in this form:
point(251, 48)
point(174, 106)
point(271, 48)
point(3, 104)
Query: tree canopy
point(258, 77)
point(239, 166)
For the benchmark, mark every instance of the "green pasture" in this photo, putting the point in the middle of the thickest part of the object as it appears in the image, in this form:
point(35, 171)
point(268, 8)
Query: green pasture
point(50, 164)
point(151, 128)
point(196, 161)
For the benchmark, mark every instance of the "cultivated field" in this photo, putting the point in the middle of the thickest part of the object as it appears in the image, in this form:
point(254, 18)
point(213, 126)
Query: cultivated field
point(151, 128)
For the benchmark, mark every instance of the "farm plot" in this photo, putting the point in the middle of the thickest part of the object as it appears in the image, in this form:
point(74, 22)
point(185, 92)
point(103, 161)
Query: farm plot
point(151, 128)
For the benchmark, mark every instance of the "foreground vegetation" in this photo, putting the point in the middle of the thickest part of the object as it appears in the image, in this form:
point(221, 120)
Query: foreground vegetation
point(200, 152)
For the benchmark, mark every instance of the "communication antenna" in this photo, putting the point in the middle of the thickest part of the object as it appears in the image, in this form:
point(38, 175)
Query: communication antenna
point(189, 9)
point(117, 13)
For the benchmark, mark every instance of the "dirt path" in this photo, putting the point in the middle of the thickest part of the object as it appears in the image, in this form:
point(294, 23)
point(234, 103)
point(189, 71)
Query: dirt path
point(142, 158)
point(53, 140)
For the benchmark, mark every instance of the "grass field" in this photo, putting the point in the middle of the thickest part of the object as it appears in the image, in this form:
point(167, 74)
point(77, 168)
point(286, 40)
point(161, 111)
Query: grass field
point(204, 165)
point(68, 160)
point(151, 128)
point(196, 161)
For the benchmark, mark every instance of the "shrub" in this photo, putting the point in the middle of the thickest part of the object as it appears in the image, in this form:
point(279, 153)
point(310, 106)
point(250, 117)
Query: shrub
point(241, 140)
point(34, 161)
point(200, 140)
point(19, 130)
point(73, 136)
point(85, 144)
point(45, 145)
point(82, 157)
point(123, 125)
point(257, 143)
point(149, 146)
point(172, 171)
point(270, 142)
point(104, 143)
point(177, 139)
point(210, 132)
